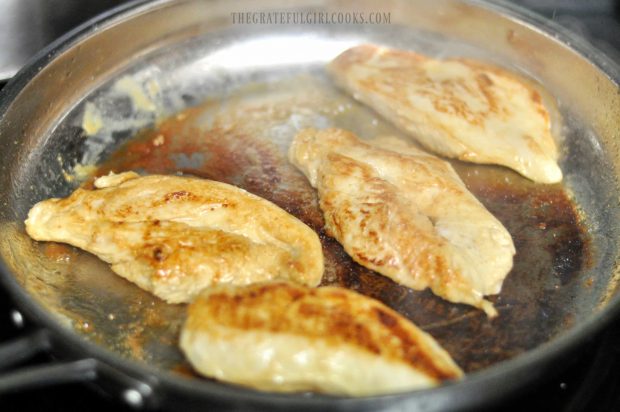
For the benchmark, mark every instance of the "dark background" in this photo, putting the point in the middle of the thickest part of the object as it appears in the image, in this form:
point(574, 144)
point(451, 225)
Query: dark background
point(28, 25)
point(588, 381)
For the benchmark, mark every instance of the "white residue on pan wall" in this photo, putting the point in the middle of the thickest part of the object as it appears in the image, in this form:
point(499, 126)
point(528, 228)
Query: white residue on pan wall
point(141, 95)
point(91, 122)
point(128, 105)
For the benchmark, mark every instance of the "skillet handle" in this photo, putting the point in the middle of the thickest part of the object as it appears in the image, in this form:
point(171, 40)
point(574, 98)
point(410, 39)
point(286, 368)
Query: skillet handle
point(133, 392)
point(28, 346)
point(47, 375)
point(23, 348)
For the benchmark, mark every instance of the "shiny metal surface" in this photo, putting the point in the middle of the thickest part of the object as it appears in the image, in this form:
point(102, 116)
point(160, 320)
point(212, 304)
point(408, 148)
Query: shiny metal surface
point(133, 69)
point(16, 43)
point(29, 25)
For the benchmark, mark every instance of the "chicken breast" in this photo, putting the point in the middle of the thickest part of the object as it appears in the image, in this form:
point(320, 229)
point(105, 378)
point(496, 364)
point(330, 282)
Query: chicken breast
point(405, 214)
point(174, 236)
point(285, 337)
point(457, 108)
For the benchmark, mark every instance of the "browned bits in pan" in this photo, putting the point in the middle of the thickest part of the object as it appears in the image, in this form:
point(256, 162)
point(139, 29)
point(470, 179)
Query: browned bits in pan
point(551, 240)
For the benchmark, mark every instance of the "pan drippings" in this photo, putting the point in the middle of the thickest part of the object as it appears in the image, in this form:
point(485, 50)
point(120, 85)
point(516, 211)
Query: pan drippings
point(242, 140)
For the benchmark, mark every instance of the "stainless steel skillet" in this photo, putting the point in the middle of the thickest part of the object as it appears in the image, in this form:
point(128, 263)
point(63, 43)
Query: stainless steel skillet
point(177, 54)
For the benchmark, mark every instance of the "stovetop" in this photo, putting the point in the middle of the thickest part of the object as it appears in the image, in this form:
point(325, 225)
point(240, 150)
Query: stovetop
point(590, 381)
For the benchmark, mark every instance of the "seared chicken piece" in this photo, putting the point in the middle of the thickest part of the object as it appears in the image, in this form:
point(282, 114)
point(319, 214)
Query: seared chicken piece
point(285, 337)
point(405, 214)
point(174, 236)
point(458, 108)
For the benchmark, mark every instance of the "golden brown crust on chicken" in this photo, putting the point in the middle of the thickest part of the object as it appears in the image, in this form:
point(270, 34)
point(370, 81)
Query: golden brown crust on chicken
point(405, 214)
point(329, 321)
point(174, 235)
point(458, 108)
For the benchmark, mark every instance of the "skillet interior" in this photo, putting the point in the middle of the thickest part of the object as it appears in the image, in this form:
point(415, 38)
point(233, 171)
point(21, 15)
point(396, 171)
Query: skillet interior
point(565, 267)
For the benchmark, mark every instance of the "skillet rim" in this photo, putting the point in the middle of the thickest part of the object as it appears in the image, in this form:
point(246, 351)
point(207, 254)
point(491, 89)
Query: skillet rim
point(494, 382)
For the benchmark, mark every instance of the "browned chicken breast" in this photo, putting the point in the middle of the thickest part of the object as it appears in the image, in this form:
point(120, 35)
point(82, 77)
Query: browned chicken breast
point(285, 337)
point(405, 214)
point(458, 108)
point(174, 236)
